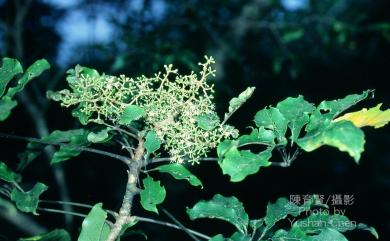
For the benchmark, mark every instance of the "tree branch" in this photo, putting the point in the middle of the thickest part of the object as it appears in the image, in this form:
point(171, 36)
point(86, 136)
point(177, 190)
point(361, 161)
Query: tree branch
point(76, 204)
point(124, 159)
point(206, 159)
point(52, 210)
point(131, 190)
point(171, 225)
point(179, 224)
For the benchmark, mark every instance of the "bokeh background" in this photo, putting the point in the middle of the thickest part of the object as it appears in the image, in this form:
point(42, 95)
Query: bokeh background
point(321, 49)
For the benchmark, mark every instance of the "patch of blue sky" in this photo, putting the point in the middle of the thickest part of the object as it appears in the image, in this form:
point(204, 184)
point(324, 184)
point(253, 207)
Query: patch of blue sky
point(295, 5)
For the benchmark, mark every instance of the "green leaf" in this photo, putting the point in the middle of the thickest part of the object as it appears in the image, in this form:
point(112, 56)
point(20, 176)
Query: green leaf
point(100, 136)
point(55, 235)
point(79, 138)
point(256, 223)
point(152, 194)
point(179, 172)
point(239, 164)
point(316, 223)
point(237, 236)
point(342, 135)
point(272, 119)
point(8, 70)
point(225, 146)
point(283, 207)
point(329, 234)
point(76, 137)
point(94, 226)
point(88, 72)
point(207, 122)
point(152, 142)
point(238, 101)
point(218, 237)
point(33, 150)
point(332, 109)
point(6, 106)
point(83, 117)
point(28, 201)
point(296, 111)
point(292, 35)
point(131, 113)
point(372, 230)
point(258, 136)
point(229, 209)
point(33, 71)
point(127, 226)
point(374, 117)
point(7, 174)
point(296, 234)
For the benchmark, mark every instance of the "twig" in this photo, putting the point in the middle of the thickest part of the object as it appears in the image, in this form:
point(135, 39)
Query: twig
point(76, 204)
point(124, 159)
point(17, 186)
point(179, 224)
point(204, 159)
point(134, 134)
point(168, 159)
point(51, 210)
point(149, 220)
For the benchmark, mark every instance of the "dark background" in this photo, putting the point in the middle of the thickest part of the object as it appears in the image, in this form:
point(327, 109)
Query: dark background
point(320, 49)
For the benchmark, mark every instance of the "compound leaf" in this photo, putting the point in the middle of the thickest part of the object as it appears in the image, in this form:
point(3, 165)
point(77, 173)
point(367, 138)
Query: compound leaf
point(178, 171)
point(229, 209)
point(28, 201)
point(152, 194)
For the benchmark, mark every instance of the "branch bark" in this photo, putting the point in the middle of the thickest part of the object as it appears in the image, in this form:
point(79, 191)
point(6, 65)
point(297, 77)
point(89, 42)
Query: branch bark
point(131, 191)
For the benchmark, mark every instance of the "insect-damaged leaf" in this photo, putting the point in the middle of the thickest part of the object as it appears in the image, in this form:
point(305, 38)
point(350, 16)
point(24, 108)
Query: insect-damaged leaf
point(152, 194)
point(178, 171)
point(28, 201)
point(229, 209)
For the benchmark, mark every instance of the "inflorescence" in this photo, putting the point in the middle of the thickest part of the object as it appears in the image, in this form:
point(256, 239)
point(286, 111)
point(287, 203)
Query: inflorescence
point(172, 103)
